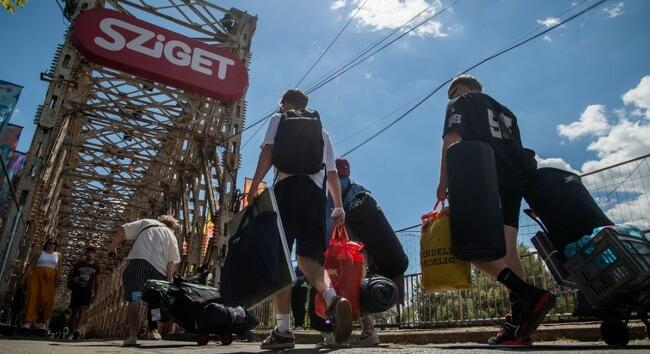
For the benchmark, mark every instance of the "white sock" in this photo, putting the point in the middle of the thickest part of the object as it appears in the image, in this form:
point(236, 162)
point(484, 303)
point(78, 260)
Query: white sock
point(282, 322)
point(329, 294)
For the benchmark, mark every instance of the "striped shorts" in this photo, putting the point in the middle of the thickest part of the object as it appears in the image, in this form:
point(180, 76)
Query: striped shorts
point(138, 271)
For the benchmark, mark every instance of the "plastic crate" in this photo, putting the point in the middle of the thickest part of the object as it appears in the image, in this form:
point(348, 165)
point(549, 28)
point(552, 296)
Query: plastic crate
point(613, 270)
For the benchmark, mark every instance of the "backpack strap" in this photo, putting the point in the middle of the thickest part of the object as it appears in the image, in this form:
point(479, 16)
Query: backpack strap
point(147, 228)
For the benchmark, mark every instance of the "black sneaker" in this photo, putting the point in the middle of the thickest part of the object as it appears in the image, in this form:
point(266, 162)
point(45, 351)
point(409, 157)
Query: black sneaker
point(340, 311)
point(279, 341)
point(533, 311)
point(506, 336)
point(76, 335)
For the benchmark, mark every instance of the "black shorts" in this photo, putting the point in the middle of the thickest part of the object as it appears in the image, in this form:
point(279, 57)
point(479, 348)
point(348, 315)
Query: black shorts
point(510, 206)
point(302, 210)
point(137, 272)
point(80, 297)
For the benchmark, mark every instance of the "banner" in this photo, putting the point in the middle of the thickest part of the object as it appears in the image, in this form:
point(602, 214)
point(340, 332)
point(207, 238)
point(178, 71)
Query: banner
point(14, 164)
point(9, 94)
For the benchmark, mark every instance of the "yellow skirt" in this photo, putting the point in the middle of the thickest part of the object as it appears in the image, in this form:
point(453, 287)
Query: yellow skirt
point(41, 285)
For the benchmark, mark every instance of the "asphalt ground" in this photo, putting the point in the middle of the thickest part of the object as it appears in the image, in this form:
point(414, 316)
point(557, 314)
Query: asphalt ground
point(20, 346)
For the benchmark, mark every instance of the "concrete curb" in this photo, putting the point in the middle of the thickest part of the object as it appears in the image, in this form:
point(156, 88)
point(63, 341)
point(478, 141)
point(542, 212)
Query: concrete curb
point(582, 332)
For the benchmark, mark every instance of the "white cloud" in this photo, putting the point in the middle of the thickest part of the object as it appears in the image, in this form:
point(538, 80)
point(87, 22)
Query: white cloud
point(547, 38)
point(338, 4)
point(591, 121)
point(626, 140)
point(555, 162)
point(368, 75)
point(390, 14)
point(640, 97)
point(549, 21)
point(614, 11)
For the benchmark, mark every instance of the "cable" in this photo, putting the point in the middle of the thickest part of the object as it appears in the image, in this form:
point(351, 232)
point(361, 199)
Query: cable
point(374, 45)
point(499, 53)
point(252, 136)
point(408, 228)
point(341, 72)
point(331, 43)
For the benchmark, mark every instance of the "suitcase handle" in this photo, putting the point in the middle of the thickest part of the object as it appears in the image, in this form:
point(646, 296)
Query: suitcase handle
point(531, 214)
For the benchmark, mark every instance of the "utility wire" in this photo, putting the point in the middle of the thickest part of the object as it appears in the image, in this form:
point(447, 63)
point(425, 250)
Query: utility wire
point(372, 46)
point(331, 43)
point(489, 58)
point(359, 61)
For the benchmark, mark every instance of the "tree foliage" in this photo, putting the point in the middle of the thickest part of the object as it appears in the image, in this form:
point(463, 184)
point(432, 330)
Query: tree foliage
point(11, 5)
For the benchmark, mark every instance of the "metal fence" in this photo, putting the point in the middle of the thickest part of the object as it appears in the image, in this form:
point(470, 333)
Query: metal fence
point(621, 190)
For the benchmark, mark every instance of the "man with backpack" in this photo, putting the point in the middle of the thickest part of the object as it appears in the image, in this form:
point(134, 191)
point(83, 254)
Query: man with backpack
point(83, 285)
point(154, 255)
point(301, 152)
point(473, 115)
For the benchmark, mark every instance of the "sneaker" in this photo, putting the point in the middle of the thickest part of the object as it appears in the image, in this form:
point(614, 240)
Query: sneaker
point(154, 334)
point(533, 312)
point(279, 341)
point(506, 336)
point(368, 339)
point(340, 311)
point(132, 341)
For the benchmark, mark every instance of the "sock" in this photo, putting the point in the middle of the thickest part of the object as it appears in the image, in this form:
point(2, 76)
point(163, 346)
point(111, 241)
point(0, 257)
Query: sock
point(282, 322)
point(329, 294)
point(519, 287)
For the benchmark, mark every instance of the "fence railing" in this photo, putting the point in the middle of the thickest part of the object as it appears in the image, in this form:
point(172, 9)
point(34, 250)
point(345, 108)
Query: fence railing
point(621, 190)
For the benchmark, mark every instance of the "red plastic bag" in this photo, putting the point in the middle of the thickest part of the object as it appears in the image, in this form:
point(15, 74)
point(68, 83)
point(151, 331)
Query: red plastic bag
point(344, 265)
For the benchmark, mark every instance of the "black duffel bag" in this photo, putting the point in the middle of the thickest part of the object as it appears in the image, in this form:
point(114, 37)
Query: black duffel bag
point(369, 225)
point(251, 267)
point(474, 205)
point(564, 205)
point(378, 294)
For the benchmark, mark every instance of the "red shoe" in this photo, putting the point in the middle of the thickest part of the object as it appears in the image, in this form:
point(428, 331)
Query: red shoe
point(506, 336)
point(533, 312)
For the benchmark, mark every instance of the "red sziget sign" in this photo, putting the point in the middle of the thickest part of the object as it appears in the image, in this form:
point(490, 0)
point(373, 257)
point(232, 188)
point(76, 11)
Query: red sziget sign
point(140, 48)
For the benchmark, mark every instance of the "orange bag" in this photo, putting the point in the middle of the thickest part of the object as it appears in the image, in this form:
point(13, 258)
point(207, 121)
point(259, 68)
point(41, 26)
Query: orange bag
point(344, 265)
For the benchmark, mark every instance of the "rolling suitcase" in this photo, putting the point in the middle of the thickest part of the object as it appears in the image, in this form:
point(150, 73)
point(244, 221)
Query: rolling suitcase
point(474, 204)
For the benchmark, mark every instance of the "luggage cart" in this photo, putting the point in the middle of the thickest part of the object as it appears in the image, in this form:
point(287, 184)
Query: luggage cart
point(612, 271)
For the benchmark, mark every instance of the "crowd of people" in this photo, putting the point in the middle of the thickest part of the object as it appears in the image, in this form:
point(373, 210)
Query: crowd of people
point(310, 183)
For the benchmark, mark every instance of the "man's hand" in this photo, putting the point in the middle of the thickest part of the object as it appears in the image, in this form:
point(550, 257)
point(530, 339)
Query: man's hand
point(441, 193)
point(338, 216)
point(252, 194)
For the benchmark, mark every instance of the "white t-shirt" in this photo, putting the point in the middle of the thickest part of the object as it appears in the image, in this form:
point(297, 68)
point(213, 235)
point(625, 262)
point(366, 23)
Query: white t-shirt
point(156, 245)
point(328, 152)
point(48, 260)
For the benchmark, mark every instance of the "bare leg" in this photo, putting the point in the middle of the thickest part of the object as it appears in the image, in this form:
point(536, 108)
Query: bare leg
point(367, 324)
point(75, 319)
point(510, 260)
point(133, 317)
point(315, 273)
point(282, 301)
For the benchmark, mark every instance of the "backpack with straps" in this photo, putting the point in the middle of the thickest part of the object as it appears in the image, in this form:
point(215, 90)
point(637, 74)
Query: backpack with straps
point(298, 147)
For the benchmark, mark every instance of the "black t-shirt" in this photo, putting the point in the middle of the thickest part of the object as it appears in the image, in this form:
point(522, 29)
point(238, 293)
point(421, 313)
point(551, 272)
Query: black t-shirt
point(478, 116)
point(87, 274)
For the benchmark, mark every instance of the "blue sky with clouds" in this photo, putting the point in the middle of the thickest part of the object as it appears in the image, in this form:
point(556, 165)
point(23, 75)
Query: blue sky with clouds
point(581, 93)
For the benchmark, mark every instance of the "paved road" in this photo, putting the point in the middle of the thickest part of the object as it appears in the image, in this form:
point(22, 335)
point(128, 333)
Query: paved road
point(11, 346)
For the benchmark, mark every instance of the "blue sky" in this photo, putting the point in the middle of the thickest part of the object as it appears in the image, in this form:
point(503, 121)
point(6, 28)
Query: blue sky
point(579, 93)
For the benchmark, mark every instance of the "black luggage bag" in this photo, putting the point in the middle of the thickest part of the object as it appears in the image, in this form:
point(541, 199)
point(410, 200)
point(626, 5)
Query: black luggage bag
point(475, 214)
point(369, 225)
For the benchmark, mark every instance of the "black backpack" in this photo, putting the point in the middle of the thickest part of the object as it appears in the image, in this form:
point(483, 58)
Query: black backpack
point(298, 146)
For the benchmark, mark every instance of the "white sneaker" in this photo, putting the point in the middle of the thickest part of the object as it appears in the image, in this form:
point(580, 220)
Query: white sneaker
point(132, 341)
point(368, 339)
point(155, 335)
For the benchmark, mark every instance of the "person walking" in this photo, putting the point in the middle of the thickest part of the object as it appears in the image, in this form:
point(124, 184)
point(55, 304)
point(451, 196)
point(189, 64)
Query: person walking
point(83, 284)
point(154, 256)
point(42, 278)
point(301, 152)
point(473, 115)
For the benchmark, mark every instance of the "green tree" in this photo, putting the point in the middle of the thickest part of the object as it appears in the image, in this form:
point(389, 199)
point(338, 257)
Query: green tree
point(11, 5)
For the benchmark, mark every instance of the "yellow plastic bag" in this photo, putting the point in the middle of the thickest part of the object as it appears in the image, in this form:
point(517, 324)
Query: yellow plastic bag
point(441, 271)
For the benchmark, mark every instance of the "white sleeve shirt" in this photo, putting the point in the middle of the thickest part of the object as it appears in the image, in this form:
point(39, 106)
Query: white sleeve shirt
point(328, 152)
point(156, 245)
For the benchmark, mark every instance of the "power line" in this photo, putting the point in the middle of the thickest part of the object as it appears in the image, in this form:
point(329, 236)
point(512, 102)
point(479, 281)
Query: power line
point(359, 61)
point(331, 43)
point(499, 53)
point(374, 45)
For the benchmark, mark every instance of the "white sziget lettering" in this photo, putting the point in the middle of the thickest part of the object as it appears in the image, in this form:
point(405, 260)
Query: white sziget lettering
point(176, 52)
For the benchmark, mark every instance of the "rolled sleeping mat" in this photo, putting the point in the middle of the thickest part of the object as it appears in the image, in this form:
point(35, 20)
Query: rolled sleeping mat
point(217, 318)
point(475, 214)
point(378, 294)
point(564, 205)
point(369, 225)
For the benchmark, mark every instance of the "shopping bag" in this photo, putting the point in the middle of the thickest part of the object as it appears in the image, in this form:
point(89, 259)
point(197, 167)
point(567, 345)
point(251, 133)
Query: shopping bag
point(344, 265)
point(440, 269)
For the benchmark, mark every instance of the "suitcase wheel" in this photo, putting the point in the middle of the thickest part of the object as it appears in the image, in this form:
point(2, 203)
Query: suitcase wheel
point(226, 338)
point(614, 331)
point(202, 339)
